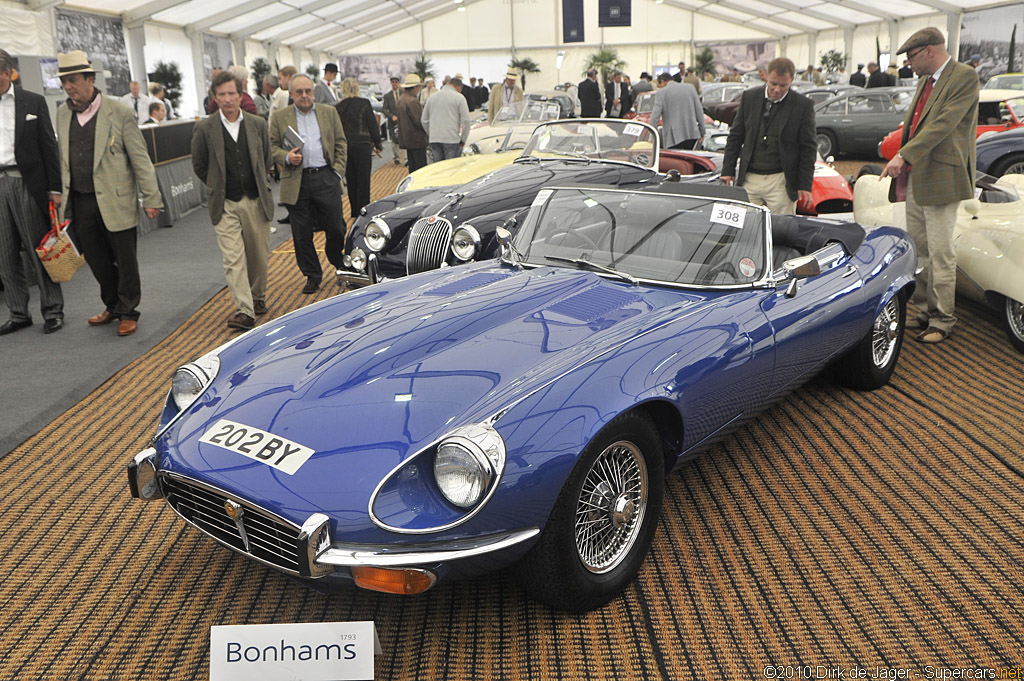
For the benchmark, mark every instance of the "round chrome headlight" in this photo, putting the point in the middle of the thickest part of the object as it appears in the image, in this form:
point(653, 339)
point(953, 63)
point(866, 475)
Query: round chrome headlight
point(358, 260)
point(461, 475)
point(376, 235)
point(467, 463)
point(465, 242)
point(191, 380)
point(405, 185)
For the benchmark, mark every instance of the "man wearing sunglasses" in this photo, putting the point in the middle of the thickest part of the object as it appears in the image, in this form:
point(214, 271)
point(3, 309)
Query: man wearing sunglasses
point(772, 138)
point(934, 172)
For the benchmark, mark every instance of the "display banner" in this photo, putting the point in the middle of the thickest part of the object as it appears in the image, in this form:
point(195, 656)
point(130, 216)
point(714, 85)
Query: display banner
point(320, 651)
point(613, 12)
point(101, 37)
point(572, 21)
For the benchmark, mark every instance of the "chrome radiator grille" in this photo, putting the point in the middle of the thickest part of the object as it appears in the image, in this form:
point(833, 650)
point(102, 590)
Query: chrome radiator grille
point(428, 245)
point(255, 532)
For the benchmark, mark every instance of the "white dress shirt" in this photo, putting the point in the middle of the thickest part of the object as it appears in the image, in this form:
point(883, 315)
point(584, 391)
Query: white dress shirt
point(7, 123)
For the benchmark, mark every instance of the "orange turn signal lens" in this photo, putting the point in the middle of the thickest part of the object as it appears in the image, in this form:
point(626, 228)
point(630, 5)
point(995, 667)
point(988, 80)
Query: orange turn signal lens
point(404, 582)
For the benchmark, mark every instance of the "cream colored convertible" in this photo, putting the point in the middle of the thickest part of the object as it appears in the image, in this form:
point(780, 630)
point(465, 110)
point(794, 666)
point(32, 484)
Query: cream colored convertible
point(989, 240)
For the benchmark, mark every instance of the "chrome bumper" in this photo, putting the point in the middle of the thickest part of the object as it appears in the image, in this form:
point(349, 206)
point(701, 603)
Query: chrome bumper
point(423, 554)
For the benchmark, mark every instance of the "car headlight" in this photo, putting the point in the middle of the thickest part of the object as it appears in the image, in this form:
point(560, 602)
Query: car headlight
point(405, 185)
point(467, 462)
point(358, 259)
point(191, 380)
point(376, 235)
point(465, 242)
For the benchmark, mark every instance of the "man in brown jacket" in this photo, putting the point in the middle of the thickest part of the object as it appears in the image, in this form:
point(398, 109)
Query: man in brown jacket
point(231, 155)
point(411, 135)
point(935, 169)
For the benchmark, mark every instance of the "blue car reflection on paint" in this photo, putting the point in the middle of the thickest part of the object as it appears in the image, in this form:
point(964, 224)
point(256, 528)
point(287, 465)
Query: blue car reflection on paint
point(522, 412)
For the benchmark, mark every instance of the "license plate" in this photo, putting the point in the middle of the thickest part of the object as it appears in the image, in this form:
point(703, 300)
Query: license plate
point(275, 451)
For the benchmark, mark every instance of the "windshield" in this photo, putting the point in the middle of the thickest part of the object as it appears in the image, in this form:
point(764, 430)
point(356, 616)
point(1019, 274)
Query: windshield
point(608, 139)
point(645, 103)
point(647, 235)
point(1014, 82)
point(527, 110)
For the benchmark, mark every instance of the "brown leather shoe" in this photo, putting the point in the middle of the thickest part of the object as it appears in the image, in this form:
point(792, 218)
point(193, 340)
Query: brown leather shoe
point(259, 307)
point(102, 318)
point(126, 327)
point(241, 321)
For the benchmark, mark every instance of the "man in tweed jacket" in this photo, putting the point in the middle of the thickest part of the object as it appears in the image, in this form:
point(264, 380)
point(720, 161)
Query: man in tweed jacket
point(935, 167)
point(104, 165)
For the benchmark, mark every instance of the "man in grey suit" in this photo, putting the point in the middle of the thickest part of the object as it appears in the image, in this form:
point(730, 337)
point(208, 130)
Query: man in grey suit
point(390, 109)
point(677, 108)
point(29, 180)
point(231, 155)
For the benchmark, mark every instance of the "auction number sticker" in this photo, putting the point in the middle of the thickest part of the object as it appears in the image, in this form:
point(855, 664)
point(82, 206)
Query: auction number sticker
point(633, 129)
point(277, 452)
point(728, 214)
point(541, 197)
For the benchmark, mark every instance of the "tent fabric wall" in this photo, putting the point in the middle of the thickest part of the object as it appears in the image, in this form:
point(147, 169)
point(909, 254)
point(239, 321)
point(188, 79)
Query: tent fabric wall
point(23, 31)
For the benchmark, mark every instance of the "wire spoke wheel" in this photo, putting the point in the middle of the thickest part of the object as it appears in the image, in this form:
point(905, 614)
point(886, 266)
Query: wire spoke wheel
point(885, 333)
point(611, 507)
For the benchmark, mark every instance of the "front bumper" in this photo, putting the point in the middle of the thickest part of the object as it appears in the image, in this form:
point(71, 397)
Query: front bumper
point(308, 550)
point(358, 279)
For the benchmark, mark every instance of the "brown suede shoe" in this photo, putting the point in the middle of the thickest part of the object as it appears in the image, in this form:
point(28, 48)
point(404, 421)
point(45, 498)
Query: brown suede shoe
point(259, 307)
point(241, 321)
point(102, 318)
point(126, 327)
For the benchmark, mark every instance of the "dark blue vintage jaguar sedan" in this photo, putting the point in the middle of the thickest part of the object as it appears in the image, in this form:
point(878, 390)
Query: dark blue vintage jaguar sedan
point(522, 412)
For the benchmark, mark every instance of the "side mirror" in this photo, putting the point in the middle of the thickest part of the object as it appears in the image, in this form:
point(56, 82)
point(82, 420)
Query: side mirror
point(504, 238)
point(673, 175)
point(972, 206)
point(799, 268)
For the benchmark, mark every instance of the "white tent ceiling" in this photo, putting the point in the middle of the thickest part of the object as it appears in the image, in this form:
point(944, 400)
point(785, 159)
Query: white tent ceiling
point(336, 26)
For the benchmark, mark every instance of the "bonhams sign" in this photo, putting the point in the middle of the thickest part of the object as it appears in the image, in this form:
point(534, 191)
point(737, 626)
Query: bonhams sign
point(325, 651)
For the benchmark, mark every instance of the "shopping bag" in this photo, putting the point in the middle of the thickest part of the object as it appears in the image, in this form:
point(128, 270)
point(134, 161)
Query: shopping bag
point(58, 252)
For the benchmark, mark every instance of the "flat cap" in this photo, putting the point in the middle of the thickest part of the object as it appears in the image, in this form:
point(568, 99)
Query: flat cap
point(923, 38)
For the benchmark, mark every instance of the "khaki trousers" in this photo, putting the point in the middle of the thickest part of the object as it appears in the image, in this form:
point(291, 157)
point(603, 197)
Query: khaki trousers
point(243, 235)
point(769, 191)
point(931, 228)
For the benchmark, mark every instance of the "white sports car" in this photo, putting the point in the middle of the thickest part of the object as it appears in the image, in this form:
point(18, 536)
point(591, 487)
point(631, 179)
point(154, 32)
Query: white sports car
point(989, 240)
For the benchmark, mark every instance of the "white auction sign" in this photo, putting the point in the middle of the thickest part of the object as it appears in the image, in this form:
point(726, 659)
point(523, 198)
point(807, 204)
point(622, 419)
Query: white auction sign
point(321, 651)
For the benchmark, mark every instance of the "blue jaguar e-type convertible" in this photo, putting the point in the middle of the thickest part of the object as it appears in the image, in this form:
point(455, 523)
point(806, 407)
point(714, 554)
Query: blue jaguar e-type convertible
point(523, 411)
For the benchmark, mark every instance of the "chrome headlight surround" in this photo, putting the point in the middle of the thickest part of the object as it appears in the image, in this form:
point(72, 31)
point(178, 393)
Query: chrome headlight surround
point(376, 235)
point(405, 185)
point(467, 464)
point(466, 242)
point(358, 260)
point(191, 380)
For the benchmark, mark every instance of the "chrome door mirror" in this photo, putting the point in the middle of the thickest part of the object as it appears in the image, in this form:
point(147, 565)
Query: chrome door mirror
point(802, 267)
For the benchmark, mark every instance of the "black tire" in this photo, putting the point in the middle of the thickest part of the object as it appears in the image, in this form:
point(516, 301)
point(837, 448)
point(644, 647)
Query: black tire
point(556, 571)
point(1012, 163)
point(870, 364)
point(1013, 322)
point(827, 145)
point(869, 169)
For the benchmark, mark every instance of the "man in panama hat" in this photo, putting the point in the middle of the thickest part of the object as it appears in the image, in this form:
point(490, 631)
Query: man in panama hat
point(504, 96)
point(104, 167)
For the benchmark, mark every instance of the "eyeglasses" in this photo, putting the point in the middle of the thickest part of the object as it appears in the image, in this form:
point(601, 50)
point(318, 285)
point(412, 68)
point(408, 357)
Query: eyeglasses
point(307, 91)
point(911, 55)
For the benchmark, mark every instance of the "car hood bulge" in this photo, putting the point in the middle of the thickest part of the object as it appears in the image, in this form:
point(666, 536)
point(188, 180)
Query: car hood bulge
point(368, 379)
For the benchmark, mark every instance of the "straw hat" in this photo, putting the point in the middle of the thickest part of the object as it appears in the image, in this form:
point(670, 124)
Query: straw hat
point(412, 80)
point(73, 62)
point(512, 74)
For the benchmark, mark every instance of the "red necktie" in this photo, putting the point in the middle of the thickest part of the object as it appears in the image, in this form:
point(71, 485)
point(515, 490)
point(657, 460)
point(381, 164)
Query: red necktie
point(925, 94)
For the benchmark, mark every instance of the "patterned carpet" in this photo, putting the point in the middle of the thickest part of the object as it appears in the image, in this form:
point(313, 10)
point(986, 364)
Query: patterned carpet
point(839, 529)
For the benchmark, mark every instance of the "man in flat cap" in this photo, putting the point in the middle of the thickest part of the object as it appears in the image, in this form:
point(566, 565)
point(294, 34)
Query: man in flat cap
point(935, 170)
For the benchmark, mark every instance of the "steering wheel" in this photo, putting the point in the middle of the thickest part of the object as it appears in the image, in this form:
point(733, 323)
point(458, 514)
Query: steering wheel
point(619, 155)
point(586, 240)
point(726, 267)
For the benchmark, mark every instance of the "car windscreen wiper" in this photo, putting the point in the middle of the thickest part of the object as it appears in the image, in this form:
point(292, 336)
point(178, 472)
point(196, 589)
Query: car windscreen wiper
point(604, 268)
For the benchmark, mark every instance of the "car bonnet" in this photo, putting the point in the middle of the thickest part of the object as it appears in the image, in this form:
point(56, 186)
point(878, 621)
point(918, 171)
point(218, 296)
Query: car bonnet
point(368, 379)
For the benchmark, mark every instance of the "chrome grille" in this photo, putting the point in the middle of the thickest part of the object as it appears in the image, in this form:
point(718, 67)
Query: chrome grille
point(267, 538)
point(428, 245)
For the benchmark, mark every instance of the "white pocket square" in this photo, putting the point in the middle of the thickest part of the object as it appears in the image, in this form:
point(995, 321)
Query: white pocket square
point(30, 117)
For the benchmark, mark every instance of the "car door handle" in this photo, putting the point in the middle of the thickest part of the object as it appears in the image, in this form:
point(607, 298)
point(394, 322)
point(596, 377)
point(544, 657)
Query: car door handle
point(850, 271)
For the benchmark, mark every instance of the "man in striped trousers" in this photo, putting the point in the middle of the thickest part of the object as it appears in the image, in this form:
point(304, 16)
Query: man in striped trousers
point(29, 179)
